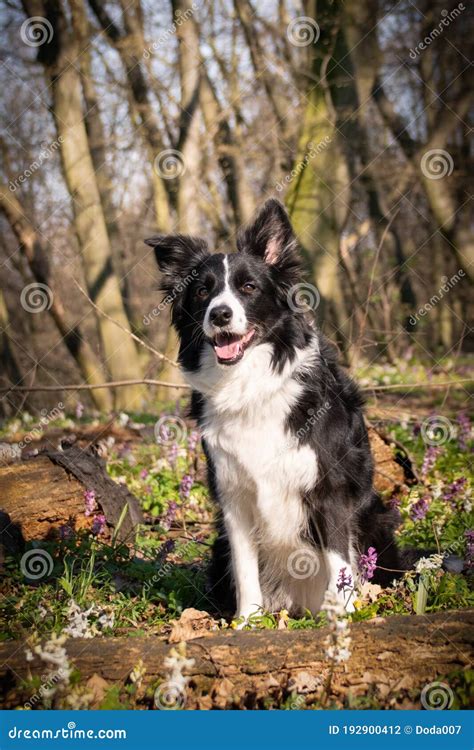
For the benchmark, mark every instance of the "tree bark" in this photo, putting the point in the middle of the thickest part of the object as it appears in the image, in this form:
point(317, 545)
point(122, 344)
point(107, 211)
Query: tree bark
point(9, 367)
point(42, 494)
point(393, 658)
point(319, 193)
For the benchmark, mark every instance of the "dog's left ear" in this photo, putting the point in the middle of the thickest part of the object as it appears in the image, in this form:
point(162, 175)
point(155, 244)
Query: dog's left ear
point(177, 255)
point(270, 237)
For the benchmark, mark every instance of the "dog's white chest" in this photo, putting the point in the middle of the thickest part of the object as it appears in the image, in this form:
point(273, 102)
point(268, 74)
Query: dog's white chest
point(260, 450)
point(259, 463)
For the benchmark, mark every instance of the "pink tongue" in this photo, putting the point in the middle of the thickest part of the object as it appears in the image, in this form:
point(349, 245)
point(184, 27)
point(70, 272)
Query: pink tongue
point(229, 350)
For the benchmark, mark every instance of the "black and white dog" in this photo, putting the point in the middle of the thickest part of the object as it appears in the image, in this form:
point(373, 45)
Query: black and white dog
point(288, 455)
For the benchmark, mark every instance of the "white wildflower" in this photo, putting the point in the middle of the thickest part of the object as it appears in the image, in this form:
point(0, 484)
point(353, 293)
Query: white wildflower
point(175, 663)
point(433, 562)
point(86, 623)
point(338, 641)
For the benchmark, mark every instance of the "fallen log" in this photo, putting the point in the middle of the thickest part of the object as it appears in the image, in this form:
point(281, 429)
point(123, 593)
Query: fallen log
point(392, 660)
point(40, 495)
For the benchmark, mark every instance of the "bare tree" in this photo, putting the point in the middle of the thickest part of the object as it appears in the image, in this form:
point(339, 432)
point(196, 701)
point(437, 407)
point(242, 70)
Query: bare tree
point(37, 257)
point(103, 286)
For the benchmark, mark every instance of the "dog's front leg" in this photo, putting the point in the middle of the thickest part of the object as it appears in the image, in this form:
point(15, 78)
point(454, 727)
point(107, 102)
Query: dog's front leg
point(244, 553)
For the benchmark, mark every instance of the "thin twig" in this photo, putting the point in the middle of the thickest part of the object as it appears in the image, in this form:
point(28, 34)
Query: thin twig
point(426, 386)
point(140, 341)
point(149, 381)
point(92, 386)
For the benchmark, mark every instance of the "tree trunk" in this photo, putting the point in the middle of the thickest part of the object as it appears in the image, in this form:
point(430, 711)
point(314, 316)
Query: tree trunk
point(9, 368)
point(38, 261)
point(392, 659)
point(103, 286)
point(319, 191)
point(98, 147)
point(130, 45)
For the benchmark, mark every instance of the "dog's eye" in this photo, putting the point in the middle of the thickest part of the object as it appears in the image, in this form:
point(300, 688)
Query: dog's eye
point(248, 288)
point(202, 292)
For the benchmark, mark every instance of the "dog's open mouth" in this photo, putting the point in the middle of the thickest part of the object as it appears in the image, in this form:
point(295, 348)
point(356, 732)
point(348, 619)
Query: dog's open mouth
point(230, 347)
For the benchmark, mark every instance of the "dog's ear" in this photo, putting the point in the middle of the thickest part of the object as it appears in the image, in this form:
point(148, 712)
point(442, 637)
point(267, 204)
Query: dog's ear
point(177, 255)
point(270, 236)
point(272, 239)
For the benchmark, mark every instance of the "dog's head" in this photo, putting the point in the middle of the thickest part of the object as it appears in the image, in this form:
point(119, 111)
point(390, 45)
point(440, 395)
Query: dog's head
point(230, 302)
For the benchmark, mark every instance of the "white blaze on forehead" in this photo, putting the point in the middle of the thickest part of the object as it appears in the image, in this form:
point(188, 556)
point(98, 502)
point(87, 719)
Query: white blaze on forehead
point(238, 323)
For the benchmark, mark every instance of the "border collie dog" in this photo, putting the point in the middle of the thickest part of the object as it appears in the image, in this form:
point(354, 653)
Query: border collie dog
point(289, 460)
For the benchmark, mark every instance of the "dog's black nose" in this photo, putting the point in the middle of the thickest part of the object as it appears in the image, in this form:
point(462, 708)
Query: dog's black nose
point(220, 315)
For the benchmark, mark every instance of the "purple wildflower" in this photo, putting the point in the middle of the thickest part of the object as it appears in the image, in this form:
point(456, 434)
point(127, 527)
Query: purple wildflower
point(98, 524)
point(344, 580)
point(193, 439)
point(79, 409)
point(368, 564)
point(143, 474)
point(89, 498)
point(464, 430)
point(173, 454)
point(164, 434)
point(431, 454)
point(419, 509)
point(65, 533)
point(395, 502)
point(168, 517)
point(186, 485)
point(451, 491)
point(165, 549)
point(469, 561)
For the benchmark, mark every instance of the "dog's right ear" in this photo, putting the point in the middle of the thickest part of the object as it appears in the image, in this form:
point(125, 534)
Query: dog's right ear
point(177, 255)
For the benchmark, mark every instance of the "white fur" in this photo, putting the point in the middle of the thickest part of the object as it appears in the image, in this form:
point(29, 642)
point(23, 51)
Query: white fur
point(262, 475)
point(238, 323)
